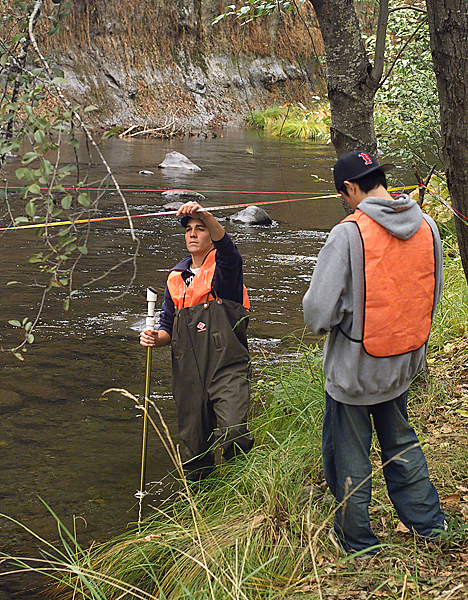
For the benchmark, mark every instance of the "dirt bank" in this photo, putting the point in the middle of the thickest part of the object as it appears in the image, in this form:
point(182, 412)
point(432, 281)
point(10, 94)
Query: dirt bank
point(165, 65)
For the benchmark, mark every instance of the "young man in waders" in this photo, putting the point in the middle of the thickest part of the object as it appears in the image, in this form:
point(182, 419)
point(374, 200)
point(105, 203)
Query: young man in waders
point(375, 288)
point(204, 317)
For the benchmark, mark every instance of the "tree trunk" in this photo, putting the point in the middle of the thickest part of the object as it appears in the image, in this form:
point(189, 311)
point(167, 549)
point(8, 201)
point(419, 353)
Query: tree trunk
point(351, 87)
point(448, 27)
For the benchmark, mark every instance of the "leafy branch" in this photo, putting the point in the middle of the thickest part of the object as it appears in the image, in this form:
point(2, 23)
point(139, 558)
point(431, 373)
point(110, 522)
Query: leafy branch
point(257, 8)
point(37, 118)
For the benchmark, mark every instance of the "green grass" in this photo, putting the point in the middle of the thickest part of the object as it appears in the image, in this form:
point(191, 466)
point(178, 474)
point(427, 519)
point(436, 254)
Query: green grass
point(293, 121)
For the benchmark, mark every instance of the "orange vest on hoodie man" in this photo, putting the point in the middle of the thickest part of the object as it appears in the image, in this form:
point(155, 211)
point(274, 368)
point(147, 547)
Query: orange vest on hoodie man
point(200, 287)
point(399, 285)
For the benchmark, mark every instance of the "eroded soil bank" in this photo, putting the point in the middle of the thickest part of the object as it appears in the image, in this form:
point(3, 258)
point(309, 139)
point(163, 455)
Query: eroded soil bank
point(164, 65)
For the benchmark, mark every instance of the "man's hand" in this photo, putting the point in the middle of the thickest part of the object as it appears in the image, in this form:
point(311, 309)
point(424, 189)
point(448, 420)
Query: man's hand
point(149, 338)
point(196, 211)
point(192, 209)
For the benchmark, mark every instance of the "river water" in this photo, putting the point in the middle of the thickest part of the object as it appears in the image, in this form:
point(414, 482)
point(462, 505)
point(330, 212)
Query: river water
point(62, 441)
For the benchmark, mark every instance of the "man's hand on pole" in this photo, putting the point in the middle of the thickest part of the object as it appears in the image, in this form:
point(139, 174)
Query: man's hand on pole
point(149, 338)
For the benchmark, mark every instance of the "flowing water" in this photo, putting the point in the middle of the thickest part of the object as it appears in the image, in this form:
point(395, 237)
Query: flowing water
point(64, 442)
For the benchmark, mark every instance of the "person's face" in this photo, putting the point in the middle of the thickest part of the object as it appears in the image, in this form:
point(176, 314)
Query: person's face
point(197, 237)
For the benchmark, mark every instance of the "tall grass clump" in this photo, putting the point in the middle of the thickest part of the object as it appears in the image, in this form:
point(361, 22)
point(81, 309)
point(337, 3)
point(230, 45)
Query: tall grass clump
point(294, 121)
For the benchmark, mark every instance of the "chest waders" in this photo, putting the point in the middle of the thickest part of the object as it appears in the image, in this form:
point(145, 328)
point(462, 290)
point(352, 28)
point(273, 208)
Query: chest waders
point(211, 387)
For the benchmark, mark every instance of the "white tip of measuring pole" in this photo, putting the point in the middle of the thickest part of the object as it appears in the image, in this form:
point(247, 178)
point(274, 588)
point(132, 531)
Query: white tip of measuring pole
point(151, 294)
point(151, 297)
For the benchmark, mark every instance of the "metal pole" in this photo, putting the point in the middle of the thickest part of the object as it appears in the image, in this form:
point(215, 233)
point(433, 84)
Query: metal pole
point(151, 297)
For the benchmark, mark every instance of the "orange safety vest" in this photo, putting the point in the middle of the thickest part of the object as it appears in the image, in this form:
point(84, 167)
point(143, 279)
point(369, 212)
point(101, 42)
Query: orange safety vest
point(399, 282)
point(200, 287)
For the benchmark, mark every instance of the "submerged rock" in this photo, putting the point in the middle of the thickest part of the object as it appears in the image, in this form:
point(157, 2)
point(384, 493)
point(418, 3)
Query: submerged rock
point(176, 160)
point(171, 206)
point(182, 195)
point(252, 215)
point(9, 400)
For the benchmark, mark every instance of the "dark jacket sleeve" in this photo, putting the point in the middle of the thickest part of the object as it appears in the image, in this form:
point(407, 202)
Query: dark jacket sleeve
point(229, 278)
point(166, 317)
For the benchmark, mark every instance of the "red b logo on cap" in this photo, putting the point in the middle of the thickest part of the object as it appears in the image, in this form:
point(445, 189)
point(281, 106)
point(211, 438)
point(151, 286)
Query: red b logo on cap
point(366, 158)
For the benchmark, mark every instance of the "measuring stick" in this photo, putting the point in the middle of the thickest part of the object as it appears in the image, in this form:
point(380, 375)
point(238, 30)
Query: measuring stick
point(151, 297)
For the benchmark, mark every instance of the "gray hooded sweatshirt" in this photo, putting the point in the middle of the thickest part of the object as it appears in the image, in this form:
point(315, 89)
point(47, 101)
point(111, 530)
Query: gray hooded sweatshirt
point(335, 301)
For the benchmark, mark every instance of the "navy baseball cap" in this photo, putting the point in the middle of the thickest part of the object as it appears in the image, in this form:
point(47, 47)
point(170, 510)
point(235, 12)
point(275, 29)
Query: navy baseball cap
point(186, 218)
point(354, 165)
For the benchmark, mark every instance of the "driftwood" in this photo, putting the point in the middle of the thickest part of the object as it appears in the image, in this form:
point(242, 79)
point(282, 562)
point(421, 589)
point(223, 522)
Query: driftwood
point(166, 130)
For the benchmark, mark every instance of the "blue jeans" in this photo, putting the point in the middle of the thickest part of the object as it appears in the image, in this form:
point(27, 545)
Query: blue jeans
point(346, 441)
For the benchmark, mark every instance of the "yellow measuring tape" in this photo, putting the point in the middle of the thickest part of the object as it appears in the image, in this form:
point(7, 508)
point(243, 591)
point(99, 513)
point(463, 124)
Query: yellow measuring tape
point(163, 213)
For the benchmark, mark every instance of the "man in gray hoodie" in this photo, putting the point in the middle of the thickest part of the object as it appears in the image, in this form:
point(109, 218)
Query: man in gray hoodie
point(375, 288)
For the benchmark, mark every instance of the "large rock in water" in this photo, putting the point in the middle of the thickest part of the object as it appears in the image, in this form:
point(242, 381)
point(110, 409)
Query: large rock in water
point(252, 215)
point(176, 160)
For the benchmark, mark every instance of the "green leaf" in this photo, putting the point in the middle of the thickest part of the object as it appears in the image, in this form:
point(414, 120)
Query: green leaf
point(90, 108)
point(29, 338)
point(39, 136)
point(18, 355)
point(84, 200)
point(34, 189)
point(29, 157)
point(66, 304)
point(67, 202)
point(30, 208)
point(12, 282)
point(46, 167)
point(15, 323)
point(83, 249)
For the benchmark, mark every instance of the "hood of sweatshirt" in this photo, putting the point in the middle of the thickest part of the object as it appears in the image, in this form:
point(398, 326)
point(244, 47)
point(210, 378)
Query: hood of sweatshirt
point(401, 217)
